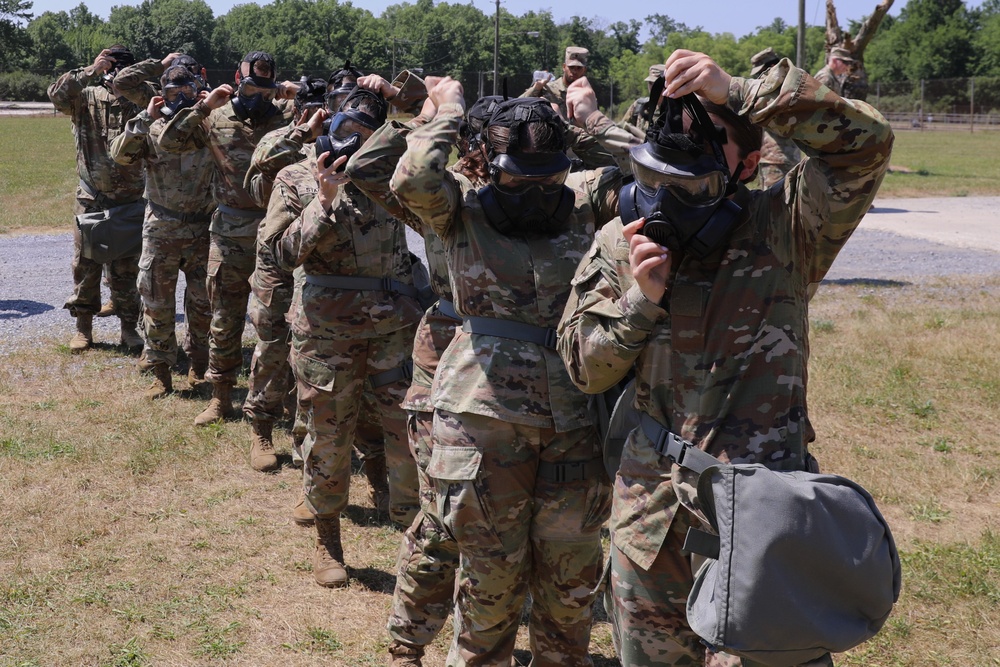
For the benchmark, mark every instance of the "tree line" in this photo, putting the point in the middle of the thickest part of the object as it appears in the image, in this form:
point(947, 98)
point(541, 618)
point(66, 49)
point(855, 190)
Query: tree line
point(930, 39)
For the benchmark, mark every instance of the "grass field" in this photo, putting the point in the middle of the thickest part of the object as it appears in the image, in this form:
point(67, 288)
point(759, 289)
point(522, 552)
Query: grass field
point(38, 177)
point(130, 538)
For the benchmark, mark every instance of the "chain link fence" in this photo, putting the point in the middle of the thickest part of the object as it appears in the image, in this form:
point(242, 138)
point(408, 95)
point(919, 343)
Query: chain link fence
point(940, 104)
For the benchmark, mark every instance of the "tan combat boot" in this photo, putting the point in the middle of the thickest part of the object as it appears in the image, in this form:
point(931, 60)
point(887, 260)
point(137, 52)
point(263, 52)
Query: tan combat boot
point(262, 456)
point(196, 374)
point(301, 514)
point(405, 656)
point(131, 338)
point(107, 309)
point(84, 336)
point(219, 408)
point(328, 559)
point(162, 383)
point(379, 480)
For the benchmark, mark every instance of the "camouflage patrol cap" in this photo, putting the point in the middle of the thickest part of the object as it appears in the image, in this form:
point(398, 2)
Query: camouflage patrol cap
point(841, 53)
point(577, 55)
point(762, 60)
point(655, 72)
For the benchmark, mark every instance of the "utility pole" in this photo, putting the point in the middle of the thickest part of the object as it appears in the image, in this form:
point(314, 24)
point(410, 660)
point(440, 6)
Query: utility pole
point(800, 45)
point(496, 49)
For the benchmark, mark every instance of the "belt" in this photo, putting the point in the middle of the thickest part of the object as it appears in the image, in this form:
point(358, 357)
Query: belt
point(447, 308)
point(674, 447)
point(163, 211)
point(571, 471)
point(404, 372)
point(242, 212)
point(363, 283)
point(529, 333)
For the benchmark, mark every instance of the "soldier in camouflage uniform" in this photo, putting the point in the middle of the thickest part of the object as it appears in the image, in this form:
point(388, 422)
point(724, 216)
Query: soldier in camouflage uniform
point(777, 154)
point(352, 325)
point(838, 65)
point(517, 481)
point(99, 114)
point(718, 344)
point(633, 115)
point(230, 129)
point(574, 67)
point(175, 231)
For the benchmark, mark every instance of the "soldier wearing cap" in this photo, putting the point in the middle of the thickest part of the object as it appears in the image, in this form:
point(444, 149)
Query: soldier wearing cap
point(633, 115)
point(839, 63)
point(777, 154)
point(574, 67)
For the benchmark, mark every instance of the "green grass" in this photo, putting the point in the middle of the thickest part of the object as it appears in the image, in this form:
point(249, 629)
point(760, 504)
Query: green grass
point(944, 164)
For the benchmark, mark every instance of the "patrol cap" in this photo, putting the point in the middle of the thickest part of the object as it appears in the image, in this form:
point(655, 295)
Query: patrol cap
point(655, 72)
point(577, 55)
point(841, 53)
point(762, 60)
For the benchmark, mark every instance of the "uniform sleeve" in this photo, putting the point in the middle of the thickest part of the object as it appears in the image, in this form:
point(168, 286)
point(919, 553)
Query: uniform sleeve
point(302, 236)
point(615, 139)
point(847, 144)
point(132, 146)
point(275, 151)
point(66, 91)
point(133, 81)
point(421, 181)
point(607, 319)
point(283, 208)
point(186, 132)
point(412, 92)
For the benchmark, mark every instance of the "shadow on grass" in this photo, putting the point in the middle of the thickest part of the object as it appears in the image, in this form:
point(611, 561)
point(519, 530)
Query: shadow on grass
point(867, 282)
point(375, 580)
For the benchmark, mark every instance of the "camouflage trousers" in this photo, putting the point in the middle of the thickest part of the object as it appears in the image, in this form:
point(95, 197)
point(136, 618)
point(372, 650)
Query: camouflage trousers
point(369, 443)
point(161, 260)
point(332, 376)
point(428, 556)
point(648, 608)
point(230, 263)
point(271, 292)
point(519, 532)
point(121, 277)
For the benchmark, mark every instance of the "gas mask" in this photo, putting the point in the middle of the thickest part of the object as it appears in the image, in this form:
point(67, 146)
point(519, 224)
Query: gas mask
point(121, 58)
point(679, 189)
point(180, 90)
point(527, 192)
point(192, 66)
point(340, 85)
point(254, 98)
point(339, 141)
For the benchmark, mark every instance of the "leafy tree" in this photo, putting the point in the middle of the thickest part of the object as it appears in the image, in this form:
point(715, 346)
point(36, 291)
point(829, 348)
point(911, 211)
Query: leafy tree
point(155, 28)
point(662, 26)
point(49, 51)
point(931, 39)
point(13, 36)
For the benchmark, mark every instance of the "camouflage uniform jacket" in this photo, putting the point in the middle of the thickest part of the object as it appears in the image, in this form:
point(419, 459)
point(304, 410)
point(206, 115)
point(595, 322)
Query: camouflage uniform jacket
point(555, 92)
point(178, 187)
point(779, 153)
point(98, 117)
point(133, 82)
point(633, 115)
point(617, 140)
point(521, 279)
point(277, 150)
point(356, 238)
point(722, 361)
point(826, 77)
point(232, 143)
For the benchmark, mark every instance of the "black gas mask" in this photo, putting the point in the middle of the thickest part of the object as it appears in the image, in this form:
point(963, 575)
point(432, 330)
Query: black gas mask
point(679, 189)
point(254, 98)
point(121, 58)
point(339, 141)
point(194, 67)
point(340, 85)
point(180, 90)
point(527, 192)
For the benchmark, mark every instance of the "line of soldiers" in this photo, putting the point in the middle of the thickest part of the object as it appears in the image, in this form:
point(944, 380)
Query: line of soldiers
point(468, 398)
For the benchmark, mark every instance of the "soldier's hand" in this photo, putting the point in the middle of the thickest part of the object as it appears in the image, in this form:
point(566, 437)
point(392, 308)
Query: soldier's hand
point(154, 106)
point(287, 90)
point(103, 62)
point(315, 122)
point(448, 90)
point(169, 58)
point(649, 260)
point(218, 97)
point(581, 101)
point(329, 180)
point(690, 72)
point(376, 84)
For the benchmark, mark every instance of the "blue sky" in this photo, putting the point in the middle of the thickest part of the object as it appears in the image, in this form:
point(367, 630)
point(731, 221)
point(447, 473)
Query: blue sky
point(736, 16)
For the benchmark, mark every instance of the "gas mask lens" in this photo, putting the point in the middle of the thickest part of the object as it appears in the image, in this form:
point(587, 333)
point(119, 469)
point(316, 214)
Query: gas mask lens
point(248, 89)
point(515, 176)
point(175, 94)
point(689, 189)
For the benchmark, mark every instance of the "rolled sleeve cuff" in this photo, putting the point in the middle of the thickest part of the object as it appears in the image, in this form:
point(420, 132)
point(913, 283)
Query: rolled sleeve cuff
point(639, 312)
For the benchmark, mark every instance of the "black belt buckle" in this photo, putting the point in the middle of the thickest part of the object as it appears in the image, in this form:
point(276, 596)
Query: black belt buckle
point(388, 286)
point(551, 339)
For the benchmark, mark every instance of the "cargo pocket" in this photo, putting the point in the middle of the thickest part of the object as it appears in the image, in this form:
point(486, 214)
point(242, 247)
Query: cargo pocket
point(144, 282)
point(463, 500)
point(314, 372)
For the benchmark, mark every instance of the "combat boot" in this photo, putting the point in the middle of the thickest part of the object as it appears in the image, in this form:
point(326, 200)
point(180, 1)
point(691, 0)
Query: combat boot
point(301, 514)
point(262, 456)
point(378, 479)
point(84, 336)
point(328, 560)
point(219, 408)
point(162, 383)
point(196, 374)
point(405, 656)
point(131, 338)
point(107, 309)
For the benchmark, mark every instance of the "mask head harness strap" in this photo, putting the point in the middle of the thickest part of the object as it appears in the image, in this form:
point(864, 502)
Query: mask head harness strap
point(312, 92)
point(351, 108)
point(259, 80)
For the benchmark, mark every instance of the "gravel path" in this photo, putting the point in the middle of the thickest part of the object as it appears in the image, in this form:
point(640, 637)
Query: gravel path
point(900, 240)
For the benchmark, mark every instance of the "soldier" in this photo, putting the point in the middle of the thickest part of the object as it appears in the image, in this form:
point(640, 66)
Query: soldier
point(715, 330)
point(633, 115)
point(175, 231)
point(838, 65)
point(514, 456)
point(352, 325)
point(777, 154)
point(230, 125)
point(99, 114)
point(574, 67)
